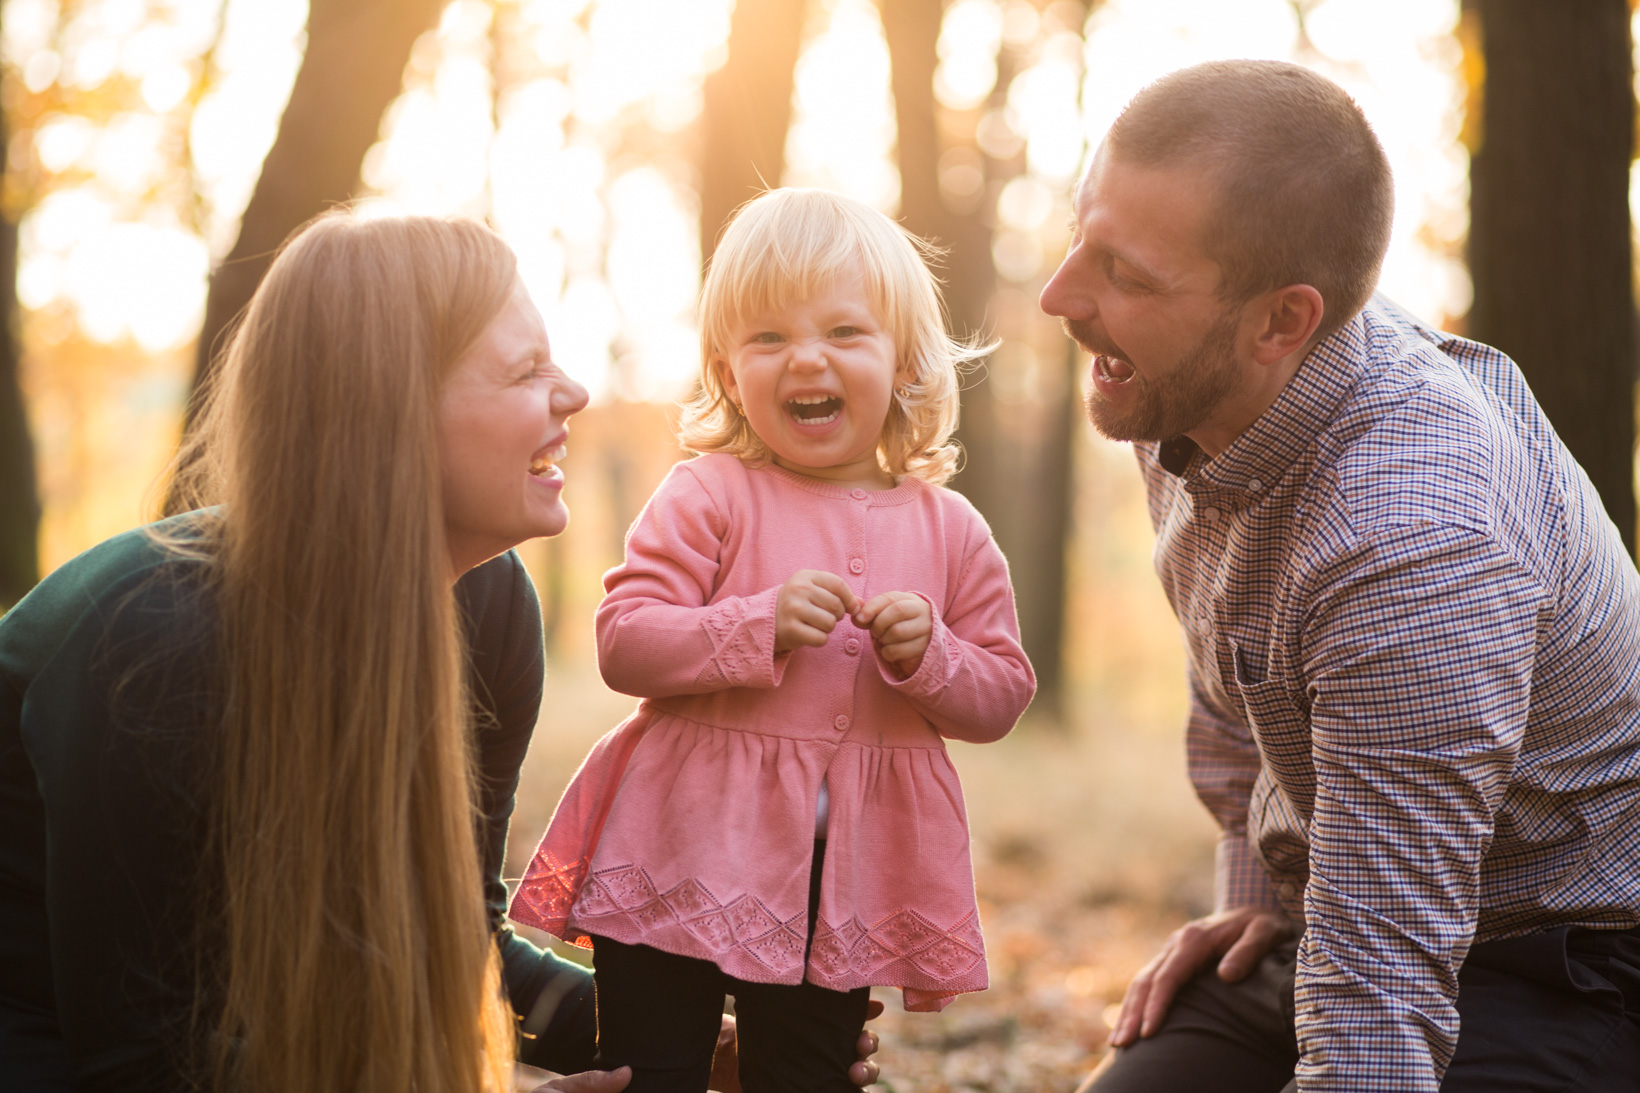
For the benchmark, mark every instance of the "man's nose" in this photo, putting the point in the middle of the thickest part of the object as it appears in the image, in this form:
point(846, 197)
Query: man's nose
point(1066, 294)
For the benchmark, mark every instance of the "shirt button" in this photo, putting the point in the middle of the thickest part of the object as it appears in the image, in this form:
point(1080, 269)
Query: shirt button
point(1255, 485)
point(858, 495)
point(851, 646)
point(1210, 516)
point(856, 565)
point(841, 721)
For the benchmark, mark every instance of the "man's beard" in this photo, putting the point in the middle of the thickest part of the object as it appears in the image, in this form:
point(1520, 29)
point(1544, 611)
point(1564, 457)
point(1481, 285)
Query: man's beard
point(1166, 407)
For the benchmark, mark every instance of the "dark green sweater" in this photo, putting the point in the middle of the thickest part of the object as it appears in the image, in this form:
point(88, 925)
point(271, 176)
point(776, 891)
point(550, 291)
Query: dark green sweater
point(106, 697)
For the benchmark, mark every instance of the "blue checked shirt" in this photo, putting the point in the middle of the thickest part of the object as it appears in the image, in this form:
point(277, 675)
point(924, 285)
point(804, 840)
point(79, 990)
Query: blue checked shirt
point(1414, 658)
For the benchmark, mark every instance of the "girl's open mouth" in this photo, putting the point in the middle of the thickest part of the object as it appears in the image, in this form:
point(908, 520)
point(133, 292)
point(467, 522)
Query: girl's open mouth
point(814, 409)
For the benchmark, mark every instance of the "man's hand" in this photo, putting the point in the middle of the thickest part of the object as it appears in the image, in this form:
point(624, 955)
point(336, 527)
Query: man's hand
point(901, 624)
point(1241, 937)
point(591, 1081)
point(809, 605)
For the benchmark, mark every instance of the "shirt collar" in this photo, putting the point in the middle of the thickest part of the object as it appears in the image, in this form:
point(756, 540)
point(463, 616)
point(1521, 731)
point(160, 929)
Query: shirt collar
point(1260, 456)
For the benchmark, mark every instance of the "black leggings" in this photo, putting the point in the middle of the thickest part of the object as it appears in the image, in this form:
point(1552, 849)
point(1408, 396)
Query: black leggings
point(659, 1013)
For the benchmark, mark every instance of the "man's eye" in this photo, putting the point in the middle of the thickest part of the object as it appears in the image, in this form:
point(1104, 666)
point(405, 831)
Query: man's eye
point(1116, 278)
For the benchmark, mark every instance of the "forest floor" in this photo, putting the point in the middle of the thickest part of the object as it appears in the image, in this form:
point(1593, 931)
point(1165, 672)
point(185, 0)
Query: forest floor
point(1088, 850)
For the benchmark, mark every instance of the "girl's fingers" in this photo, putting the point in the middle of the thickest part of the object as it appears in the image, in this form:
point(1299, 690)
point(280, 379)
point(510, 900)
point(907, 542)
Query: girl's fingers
point(904, 651)
point(912, 629)
point(902, 620)
point(867, 612)
point(835, 589)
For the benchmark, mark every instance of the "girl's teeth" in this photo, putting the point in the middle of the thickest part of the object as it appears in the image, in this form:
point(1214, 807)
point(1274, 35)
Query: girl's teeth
point(797, 406)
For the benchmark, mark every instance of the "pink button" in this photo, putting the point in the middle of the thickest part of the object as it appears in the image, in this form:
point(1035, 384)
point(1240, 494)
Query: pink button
point(851, 646)
point(856, 565)
point(858, 495)
point(841, 721)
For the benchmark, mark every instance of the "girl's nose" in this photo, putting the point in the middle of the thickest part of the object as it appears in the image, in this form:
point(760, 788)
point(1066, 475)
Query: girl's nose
point(807, 355)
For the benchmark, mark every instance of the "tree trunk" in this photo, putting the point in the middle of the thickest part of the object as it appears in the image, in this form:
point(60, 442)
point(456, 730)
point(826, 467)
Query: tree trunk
point(748, 105)
point(352, 70)
point(1021, 484)
point(19, 495)
point(1549, 239)
point(912, 28)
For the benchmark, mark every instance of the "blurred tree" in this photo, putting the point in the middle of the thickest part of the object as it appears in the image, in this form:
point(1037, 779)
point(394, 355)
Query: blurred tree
point(748, 104)
point(1550, 239)
point(19, 494)
point(351, 71)
point(949, 181)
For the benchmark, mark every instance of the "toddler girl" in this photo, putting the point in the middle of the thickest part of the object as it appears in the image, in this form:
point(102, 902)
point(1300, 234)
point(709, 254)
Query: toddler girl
point(805, 612)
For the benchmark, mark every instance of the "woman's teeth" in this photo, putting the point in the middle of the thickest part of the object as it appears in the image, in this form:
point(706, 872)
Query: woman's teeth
point(815, 409)
point(1113, 369)
point(541, 464)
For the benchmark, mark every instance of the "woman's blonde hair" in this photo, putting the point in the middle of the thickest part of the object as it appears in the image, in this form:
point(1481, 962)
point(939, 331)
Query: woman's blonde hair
point(357, 955)
point(786, 245)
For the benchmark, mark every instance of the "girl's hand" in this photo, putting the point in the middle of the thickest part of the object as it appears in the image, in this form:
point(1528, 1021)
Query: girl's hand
point(808, 607)
point(901, 624)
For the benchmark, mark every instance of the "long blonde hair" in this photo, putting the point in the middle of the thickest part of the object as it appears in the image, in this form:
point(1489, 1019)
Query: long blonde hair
point(349, 903)
point(785, 245)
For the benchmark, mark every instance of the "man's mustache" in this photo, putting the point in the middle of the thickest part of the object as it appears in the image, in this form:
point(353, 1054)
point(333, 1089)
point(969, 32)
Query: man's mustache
point(1083, 334)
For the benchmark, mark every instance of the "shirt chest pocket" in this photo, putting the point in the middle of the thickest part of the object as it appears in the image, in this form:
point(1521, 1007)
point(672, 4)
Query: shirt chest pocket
point(1278, 722)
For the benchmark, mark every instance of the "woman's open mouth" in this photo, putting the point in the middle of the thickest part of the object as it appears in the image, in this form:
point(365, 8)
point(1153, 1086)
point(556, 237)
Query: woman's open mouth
point(814, 409)
point(547, 460)
point(1112, 369)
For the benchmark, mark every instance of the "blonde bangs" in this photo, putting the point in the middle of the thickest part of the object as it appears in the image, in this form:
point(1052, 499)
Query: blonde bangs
point(787, 245)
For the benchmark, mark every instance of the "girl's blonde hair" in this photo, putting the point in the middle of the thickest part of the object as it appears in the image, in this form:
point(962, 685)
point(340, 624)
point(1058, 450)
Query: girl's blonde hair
point(786, 245)
point(356, 950)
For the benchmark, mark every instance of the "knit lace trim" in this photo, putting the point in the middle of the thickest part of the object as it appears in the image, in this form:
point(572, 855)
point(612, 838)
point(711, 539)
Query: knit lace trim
point(900, 949)
point(736, 652)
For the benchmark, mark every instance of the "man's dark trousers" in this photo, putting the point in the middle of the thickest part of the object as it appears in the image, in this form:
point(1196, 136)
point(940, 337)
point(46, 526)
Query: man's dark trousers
point(1550, 1013)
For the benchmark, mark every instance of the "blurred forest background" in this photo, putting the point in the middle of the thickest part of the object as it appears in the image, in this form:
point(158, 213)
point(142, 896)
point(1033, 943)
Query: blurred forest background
point(154, 152)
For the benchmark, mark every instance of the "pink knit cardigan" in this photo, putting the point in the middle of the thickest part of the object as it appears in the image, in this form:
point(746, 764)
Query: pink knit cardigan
point(689, 827)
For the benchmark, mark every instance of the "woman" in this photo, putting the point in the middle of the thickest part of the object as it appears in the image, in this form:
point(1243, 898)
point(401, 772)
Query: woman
point(241, 750)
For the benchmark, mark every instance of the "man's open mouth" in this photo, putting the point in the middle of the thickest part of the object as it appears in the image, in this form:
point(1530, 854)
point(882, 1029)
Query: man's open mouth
point(814, 409)
point(1113, 369)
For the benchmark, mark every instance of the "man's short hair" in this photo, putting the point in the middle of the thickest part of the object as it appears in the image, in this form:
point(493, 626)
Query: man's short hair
point(1305, 194)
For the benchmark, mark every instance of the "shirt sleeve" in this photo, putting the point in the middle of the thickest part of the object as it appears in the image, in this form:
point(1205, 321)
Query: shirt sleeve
point(974, 681)
point(551, 997)
point(1418, 653)
point(659, 634)
point(1224, 763)
point(122, 819)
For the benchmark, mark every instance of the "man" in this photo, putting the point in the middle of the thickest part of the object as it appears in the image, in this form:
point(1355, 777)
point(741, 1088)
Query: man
point(1413, 634)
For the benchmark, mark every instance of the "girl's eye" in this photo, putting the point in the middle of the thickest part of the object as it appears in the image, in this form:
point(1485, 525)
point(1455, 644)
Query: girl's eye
point(768, 337)
point(845, 331)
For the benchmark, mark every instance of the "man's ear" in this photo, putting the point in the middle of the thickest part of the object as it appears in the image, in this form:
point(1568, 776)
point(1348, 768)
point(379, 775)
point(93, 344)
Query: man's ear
point(1287, 318)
